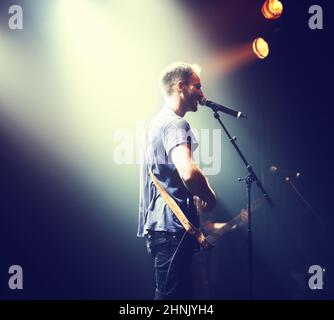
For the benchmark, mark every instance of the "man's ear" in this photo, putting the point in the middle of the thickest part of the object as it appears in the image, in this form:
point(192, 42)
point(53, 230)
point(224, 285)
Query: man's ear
point(180, 86)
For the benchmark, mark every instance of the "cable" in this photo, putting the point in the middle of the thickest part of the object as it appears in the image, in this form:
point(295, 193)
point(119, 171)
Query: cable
point(170, 264)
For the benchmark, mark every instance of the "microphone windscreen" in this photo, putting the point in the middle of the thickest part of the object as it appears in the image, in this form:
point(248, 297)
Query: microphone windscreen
point(273, 169)
point(202, 101)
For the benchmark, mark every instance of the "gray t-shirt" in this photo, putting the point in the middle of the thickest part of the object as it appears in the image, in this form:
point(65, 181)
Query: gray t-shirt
point(166, 131)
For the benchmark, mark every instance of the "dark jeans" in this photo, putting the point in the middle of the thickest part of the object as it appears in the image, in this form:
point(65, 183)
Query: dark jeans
point(162, 246)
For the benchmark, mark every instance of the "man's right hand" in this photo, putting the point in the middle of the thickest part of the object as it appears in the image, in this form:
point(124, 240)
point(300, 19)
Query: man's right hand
point(203, 206)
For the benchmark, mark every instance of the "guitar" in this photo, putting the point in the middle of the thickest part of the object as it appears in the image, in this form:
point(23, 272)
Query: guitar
point(238, 221)
point(201, 287)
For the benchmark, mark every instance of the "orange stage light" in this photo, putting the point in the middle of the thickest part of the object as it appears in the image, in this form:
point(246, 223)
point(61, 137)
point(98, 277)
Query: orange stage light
point(260, 48)
point(272, 9)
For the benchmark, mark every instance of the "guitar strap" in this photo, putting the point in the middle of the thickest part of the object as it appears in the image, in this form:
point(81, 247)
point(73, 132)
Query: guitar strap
point(187, 225)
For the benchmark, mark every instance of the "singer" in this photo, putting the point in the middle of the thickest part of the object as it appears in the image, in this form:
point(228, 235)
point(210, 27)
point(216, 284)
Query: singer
point(168, 156)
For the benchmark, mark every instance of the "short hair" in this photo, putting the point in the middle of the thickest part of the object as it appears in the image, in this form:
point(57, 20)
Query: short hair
point(175, 72)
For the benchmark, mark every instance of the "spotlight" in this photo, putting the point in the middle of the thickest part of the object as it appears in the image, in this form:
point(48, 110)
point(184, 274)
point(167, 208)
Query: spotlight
point(272, 9)
point(260, 48)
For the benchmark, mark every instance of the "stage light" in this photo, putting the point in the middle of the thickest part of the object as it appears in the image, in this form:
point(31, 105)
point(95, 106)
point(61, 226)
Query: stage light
point(260, 48)
point(272, 9)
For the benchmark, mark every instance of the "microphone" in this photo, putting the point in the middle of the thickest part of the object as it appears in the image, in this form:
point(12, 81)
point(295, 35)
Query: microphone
point(218, 107)
point(275, 170)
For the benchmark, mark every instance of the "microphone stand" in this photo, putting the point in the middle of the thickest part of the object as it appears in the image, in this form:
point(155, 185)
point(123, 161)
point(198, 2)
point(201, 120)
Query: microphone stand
point(249, 179)
point(304, 201)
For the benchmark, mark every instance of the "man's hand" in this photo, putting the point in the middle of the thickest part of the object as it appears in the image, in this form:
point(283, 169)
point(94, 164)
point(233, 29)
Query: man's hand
point(201, 205)
point(244, 216)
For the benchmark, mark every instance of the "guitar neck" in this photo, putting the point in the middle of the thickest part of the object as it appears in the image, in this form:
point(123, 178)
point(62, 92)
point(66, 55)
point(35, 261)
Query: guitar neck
point(233, 223)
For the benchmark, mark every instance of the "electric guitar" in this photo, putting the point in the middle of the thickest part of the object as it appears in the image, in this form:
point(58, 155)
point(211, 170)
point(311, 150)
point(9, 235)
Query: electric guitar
point(201, 287)
point(238, 221)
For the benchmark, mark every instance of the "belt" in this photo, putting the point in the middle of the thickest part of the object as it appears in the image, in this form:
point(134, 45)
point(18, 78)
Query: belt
point(166, 233)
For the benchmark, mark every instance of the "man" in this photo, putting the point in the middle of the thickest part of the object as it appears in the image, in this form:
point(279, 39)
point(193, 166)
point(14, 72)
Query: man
point(168, 153)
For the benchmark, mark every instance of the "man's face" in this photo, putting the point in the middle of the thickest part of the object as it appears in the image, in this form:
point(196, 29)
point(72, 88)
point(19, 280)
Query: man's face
point(193, 93)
